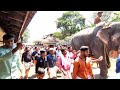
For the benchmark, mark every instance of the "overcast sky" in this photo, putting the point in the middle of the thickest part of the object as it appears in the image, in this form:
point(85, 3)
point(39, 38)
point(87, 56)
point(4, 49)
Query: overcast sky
point(43, 23)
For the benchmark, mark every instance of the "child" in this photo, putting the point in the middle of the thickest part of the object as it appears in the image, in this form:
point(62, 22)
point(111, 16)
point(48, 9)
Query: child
point(40, 73)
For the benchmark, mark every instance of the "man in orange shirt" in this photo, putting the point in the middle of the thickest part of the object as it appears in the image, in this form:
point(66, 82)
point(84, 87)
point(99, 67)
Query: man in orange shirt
point(82, 67)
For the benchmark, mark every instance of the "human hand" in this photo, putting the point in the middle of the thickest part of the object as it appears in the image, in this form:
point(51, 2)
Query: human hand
point(100, 58)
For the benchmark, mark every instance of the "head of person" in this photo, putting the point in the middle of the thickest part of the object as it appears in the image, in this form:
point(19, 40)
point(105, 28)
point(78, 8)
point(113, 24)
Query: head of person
point(70, 49)
point(100, 13)
point(43, 53)
point(51, 46)
point(36, 48)
point(27, 49)
point(63, 51)
point(75, 52)
point(58, 47)
point(40, 73)
point(8, 40)
point(84, 51)
point(51, 51)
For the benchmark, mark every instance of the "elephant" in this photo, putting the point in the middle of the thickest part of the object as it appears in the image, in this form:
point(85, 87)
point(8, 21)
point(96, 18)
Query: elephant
point(101, 41)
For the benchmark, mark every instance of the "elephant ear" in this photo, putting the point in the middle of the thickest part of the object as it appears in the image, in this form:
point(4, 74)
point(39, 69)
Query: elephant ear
point(103, 34)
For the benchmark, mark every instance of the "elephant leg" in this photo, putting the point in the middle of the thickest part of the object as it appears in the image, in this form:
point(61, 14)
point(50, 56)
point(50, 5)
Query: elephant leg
point(103, 69)
point(102, 64)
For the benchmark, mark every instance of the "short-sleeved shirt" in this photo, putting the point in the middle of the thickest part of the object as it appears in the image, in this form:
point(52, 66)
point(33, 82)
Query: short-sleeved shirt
point(41, 62)
point(26, 56)
point(51, 59)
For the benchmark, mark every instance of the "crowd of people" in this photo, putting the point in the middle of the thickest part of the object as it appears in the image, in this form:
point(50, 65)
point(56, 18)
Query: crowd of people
point(49, 61)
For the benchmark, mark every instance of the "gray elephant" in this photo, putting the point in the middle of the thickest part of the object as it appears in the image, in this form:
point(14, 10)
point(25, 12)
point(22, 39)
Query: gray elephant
point(101, 41)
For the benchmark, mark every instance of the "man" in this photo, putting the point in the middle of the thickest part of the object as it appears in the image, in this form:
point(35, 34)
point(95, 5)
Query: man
point(98, 18)
point(70, 52)
point(50, 46)
point(117, 75)
point(35, 54)
point(10, 63)
point(118, 68)
point(118, 64)
point(82, 67)
point(58, 52)
point(65, 64)
point(40, 73)
point(27, 58)
point(51, 59)
point(42, 60)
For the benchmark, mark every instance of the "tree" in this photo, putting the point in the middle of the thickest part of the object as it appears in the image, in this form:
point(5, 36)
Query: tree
point(70, 23)
point(58, 35)
point(115, 17)
point(26, 35)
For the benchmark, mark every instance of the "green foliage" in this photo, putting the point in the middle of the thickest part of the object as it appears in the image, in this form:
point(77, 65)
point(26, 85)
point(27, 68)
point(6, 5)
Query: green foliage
point(58, 35)
point(26, 35)
point(70, 23)
point(115, 16)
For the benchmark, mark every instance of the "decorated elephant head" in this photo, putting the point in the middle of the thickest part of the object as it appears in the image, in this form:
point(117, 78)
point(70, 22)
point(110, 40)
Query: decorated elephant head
point(110, 36)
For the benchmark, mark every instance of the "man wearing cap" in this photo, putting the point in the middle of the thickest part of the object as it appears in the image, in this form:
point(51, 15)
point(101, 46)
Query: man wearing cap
point(51, 58)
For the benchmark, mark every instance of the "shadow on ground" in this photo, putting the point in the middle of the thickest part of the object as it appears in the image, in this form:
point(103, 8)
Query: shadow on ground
point(32, 77)
point(97, 76)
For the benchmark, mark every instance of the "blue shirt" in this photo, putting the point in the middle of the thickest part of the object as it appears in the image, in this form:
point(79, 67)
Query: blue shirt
point(51, 59)
point(118, 65)
point(9, 64)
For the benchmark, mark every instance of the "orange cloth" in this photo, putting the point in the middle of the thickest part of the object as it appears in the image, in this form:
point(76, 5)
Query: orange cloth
point(81, 69)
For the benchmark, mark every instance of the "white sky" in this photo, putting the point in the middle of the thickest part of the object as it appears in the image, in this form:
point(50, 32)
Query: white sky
point(43, 23)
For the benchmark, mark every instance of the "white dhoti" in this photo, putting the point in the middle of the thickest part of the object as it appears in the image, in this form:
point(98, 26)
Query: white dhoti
point(77, 77)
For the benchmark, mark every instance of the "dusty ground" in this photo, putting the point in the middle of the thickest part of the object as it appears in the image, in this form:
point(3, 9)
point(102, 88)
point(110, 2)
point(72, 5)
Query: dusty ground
point(111, 71)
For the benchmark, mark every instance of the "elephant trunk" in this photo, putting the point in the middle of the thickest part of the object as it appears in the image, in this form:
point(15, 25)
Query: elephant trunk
point(106, 53)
